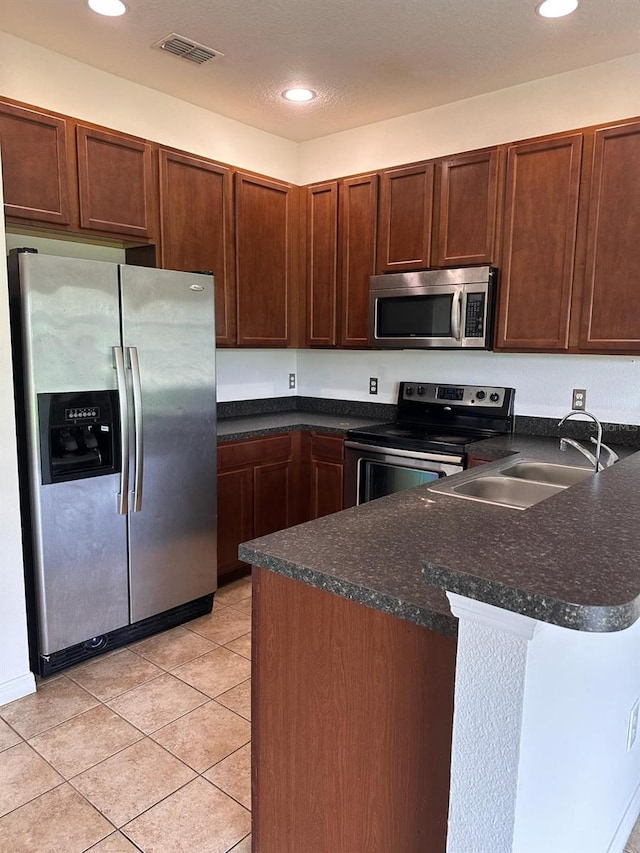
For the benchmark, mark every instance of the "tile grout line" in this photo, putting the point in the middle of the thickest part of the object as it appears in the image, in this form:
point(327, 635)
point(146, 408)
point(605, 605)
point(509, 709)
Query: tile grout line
point(100, 702)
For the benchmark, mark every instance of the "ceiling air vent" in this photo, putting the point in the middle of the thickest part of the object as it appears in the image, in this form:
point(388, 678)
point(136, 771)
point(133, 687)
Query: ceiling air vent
point(187, 49)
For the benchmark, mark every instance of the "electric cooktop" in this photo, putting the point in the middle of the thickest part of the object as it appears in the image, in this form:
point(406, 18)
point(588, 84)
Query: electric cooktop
point(442, 417)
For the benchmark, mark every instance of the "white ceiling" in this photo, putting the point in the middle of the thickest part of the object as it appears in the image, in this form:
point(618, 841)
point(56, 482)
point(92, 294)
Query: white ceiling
point(369, 60)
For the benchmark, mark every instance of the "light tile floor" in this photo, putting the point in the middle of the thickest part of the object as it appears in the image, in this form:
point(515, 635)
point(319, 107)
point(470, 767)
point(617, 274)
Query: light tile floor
point(147, 748)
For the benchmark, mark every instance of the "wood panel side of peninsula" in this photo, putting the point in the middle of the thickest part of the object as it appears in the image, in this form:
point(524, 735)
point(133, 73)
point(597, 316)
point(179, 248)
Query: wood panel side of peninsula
point(352, 714)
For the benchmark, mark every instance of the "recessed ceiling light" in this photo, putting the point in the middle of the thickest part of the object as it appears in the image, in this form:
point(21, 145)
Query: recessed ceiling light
point(556, 8)
point(299, 94)
point(111, 8)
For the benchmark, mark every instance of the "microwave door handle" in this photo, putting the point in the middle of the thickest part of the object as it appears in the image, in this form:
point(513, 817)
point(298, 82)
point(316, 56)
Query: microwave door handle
point(456, 317)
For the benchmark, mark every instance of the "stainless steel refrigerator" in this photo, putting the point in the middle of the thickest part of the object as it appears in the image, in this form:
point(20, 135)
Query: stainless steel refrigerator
point(115, 392)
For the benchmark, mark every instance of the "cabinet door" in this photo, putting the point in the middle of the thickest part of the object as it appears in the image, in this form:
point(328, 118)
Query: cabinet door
point(264, 261)
point(274, 484)
point(235, 515)
point(406, 205)
point(466, 203)
point(34, 165)
point(196, 228)
point(115, 181)
point(322, 260)
point(475, 461)
point(273, 494)
point(327, 469)
point(541, 208)
point(611, 305)
point(357, 234)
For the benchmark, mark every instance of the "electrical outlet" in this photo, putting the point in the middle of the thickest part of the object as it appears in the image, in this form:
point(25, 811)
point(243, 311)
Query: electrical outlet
point(373, 385)
point(292, 380)
point(579, 399)
point(633, 725)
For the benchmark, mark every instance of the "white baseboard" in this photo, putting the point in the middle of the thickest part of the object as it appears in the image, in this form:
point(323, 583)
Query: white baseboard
point(16, 688)
point(626, 824)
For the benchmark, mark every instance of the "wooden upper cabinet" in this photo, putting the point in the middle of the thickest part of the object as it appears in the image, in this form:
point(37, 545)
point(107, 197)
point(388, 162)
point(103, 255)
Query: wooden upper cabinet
point(539, 238)
point(322, 264)
point(196, 221)
point(404, 228)
point(357, 256)
point(35, 165)
point(265, 256)
point(115, 183)
point(466, 200)
point(611, 297)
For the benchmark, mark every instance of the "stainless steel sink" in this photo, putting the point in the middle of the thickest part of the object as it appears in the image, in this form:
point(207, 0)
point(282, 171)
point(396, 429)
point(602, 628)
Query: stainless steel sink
point(517, 485)
point(504, 491)
point(548, 472)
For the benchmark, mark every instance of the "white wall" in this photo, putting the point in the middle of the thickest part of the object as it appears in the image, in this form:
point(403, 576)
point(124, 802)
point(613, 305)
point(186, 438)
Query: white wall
point(574, 765)
point(598, 93)
point(254, 374)
point(38, 76)
point(15, 677)
point(539, 759)
point(543, 383)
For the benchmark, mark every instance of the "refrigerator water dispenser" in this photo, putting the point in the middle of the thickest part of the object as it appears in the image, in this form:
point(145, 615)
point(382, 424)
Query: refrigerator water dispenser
point(78, 435)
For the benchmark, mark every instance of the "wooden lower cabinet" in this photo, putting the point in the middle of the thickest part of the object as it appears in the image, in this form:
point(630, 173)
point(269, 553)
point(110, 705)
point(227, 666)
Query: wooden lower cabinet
point(267, 484)
point(474, 461)
point(235, 513)
point(326, 472)
point(352, 714)
point(258, 492)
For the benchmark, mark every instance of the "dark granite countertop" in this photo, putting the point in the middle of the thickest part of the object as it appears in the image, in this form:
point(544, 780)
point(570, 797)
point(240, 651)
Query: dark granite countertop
point(572, 560)
point(255, 426)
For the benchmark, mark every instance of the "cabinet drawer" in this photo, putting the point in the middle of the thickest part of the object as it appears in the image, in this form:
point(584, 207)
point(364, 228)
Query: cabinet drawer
point(250, 451)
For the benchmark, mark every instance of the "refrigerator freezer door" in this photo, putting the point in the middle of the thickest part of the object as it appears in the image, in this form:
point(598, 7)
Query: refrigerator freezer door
point(70, 322)
point(168, 318)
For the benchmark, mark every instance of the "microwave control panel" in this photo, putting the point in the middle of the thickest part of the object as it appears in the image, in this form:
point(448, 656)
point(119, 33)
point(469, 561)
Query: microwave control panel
point(474, 315)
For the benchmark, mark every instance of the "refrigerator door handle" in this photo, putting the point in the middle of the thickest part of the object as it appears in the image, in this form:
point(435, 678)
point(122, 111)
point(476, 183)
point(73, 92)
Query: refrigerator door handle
point(123, 496)
point(138, 429)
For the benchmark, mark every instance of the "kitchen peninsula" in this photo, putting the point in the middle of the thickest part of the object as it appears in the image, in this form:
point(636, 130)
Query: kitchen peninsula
point(356, 660)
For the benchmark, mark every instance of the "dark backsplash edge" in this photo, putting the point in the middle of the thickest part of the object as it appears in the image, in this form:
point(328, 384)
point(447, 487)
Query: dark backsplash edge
point(624, 434)
point(320, 405)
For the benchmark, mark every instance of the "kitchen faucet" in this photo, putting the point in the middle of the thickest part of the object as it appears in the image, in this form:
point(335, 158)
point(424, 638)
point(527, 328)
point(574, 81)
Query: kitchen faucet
point(594, 459)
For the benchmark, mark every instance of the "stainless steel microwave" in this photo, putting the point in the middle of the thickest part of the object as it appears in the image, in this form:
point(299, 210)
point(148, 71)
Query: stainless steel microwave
point(439, 309)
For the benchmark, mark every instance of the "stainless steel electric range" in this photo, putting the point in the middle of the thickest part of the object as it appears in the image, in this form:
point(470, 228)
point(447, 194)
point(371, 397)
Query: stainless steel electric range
point(427, 441)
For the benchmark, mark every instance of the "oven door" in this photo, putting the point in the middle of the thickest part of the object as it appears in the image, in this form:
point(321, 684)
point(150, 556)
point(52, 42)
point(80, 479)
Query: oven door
point(372, 472)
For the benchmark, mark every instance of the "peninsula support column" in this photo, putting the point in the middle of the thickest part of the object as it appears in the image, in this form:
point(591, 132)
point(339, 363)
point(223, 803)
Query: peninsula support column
point(488, 711)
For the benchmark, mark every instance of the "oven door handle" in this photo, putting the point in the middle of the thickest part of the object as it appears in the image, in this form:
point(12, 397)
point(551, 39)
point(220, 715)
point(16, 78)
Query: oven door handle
point(451, 458)
point(456, 315)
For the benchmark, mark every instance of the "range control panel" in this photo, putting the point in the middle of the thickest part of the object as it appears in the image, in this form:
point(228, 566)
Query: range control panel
point(487, 396)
